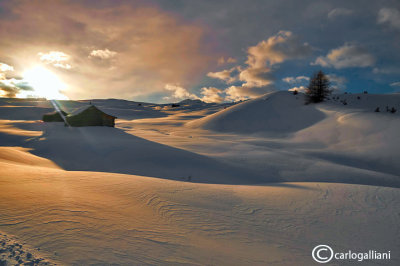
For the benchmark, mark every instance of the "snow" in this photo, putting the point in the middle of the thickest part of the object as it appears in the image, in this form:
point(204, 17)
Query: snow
point(102, 218)
point(255, 183)
point(14, 253)
point(113, 150)
point(275, 113)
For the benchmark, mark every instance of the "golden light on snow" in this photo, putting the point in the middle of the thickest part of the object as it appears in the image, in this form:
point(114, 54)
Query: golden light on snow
point(45, 83)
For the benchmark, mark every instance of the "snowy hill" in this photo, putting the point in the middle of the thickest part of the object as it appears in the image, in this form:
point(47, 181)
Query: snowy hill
point(282, 112)
point(367, 102)
point(276, 112)
point(350, 135)
point(191, 102)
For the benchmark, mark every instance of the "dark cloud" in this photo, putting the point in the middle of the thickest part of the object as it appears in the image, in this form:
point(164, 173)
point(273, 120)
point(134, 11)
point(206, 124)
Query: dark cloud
point(339, 12)
point(389, 16)
point(326, 25)
point(12, 87)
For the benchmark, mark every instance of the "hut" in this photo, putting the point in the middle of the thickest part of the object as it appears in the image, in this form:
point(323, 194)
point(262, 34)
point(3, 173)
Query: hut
point(54, 116)
point(90, 116)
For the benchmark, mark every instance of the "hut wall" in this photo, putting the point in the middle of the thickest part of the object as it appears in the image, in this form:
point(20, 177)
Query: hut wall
point(53, 117)
point(90, 117)
point(108, 121)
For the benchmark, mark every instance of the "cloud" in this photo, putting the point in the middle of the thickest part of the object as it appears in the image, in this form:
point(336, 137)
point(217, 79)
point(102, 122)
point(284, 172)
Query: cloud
point(390, 16)
point(298, 79)
point(257, 76)
point(179, 93)
point(223, 60)
point(395, 84)
point(55, 58)
point(299, 89)
point(339, 12)
point(4, 67)
point(337, 82)
point(346, 56)
point(387, 70)
point(276, 49)
point(211, 95)
point(102, 54)
point(11, 87)
point(243, 92)
point(225, 75)
point(336, 79)
point(154, 47)
point(180, 44)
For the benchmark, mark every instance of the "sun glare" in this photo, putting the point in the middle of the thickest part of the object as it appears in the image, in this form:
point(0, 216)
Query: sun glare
point(45, 83)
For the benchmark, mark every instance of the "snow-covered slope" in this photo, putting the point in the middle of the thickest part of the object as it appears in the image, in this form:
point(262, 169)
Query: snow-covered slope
point(112, 150)
point(367, 102)
point(329, 141)
point(280, 139)
point(282, 112)
point(274, 113)
point(88, 195)
point(92, 218)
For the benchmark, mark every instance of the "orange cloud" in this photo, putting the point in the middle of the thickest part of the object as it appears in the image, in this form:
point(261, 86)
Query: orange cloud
point(211, 95)
point(258, 77)
point(149, 47)
point(225, 75)
point(178, 93)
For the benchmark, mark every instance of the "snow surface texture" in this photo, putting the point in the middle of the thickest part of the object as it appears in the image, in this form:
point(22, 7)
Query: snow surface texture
point(14, 253)
point(202, 184)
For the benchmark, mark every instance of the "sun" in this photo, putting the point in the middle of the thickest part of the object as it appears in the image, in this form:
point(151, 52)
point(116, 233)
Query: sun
point(45, 83)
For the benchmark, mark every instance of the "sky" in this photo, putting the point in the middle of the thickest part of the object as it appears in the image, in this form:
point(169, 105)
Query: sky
point(215, 51)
